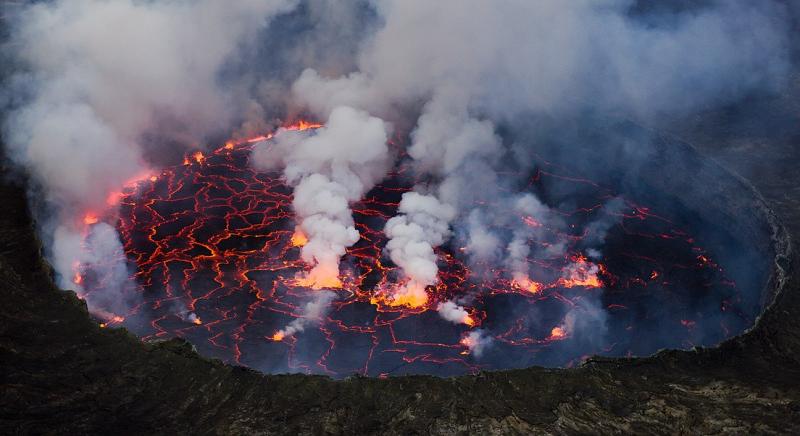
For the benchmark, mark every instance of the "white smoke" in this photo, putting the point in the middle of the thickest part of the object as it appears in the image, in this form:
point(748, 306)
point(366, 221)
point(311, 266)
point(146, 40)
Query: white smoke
point(192, 318)
point(586, 321)
point(554, 56)
point(101, 76)
point(596, 231)
point(104, 77)
point(330, 168)
point(534, 216)
point(483, 246)
point(540, 56)
point(101, 252)
point(594, 253)
point(182, 310)
point(446, 137)
point(454, 313)
point(477, 341)
point(312, 313)
point(422, 224)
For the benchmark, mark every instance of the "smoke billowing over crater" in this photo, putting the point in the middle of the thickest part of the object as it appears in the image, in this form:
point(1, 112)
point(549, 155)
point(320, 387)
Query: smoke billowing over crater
point(218, 251)
point(308, 186)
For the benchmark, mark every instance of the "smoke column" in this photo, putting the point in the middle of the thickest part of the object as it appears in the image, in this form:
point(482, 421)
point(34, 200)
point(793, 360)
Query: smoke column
point(312, 313)
point(329, 169)
point(99, 76)
point(107, 90)
point(547, 57)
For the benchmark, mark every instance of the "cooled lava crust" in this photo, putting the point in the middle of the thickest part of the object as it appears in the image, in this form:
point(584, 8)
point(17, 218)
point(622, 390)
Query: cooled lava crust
point(215, 254)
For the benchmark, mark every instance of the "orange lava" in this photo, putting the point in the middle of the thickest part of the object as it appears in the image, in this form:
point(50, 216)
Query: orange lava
point(467, 341)
point(581, 273)
point(320, 277)
point(526, 284)
point(114, 198)
point(411, 295)
point(299, 238)
point(303, 125)
point(557, 333)
point(258, 138)
point(531, 222)
point(224, 236)
point(589, 281)
point(90, 219)
point(297, 126)
point(199, 157)
point(116, 319)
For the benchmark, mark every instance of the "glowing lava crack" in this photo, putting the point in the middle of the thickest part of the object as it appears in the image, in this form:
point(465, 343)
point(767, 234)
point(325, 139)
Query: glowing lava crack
point(215, 251)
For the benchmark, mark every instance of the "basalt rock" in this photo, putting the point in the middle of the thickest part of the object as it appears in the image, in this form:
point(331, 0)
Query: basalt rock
point(64, 374)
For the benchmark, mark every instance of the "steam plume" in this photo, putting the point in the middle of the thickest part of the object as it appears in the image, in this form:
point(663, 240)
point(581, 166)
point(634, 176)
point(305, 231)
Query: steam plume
point(312, 313)
point(330, 169)
point(454, 313)
point(477, 341)
point(102, 75)
point(106, 88)
point(427, 52)
point(421, 226)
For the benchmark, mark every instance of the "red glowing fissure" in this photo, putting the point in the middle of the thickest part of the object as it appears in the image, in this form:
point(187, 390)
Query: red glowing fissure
point(216, 255)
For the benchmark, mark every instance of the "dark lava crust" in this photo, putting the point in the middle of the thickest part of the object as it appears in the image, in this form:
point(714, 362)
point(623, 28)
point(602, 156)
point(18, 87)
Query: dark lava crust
point(62, 374)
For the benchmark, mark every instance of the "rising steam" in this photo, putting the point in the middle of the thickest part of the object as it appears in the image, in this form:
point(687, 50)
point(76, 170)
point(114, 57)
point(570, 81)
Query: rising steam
point(99, 77)
point(104, 90)
point(311, 313)
point(422, 225)
point(329, 168)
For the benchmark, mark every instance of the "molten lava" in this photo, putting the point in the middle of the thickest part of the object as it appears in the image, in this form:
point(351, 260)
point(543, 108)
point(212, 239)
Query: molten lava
point(557, 333)
point(526, 284)
point(581, 273)
point(299, 238)
point(216, 239)
point(90, 219)
point(319, 278)
point(412, 295)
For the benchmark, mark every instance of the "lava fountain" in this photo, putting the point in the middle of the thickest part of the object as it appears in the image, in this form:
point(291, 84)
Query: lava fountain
point(215, 254)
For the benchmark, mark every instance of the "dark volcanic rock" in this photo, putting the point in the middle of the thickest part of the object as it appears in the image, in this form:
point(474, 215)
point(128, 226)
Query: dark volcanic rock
point(60, 373)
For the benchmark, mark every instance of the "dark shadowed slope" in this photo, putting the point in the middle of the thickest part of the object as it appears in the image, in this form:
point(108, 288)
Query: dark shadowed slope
point(62, 373)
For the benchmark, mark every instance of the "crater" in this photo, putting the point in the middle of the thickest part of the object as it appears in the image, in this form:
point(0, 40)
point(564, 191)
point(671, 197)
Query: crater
point(684, 259)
